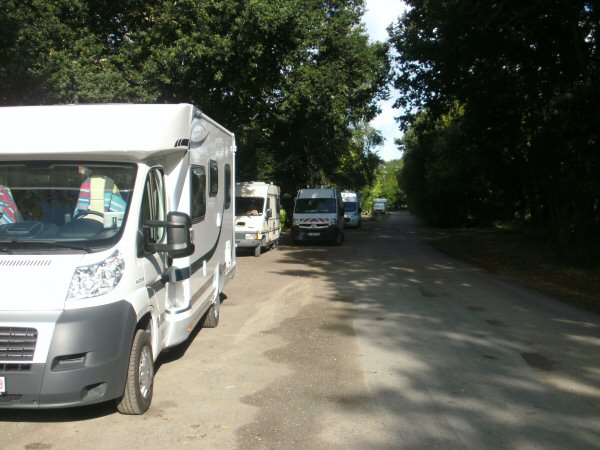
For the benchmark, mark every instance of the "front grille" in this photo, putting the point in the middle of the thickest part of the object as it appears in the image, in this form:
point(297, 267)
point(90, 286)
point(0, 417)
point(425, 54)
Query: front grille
point(13, 398)
point(14, 367)
point(17, 344)
point(318, 226)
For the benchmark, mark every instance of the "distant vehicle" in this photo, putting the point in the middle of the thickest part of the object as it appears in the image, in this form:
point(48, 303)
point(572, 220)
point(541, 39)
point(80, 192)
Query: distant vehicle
point(257, 224)
point(318, 216)
point(352, 208)
point(379, 206)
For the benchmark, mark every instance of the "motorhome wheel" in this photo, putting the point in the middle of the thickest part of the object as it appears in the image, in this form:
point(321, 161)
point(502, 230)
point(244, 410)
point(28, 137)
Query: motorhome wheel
point(140, 377)
point(211, 318)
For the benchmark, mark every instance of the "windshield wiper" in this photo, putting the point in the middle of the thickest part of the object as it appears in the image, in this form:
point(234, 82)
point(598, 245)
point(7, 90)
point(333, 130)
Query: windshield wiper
point(45, 243)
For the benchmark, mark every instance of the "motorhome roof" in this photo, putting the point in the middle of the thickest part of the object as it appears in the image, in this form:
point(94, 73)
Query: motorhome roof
point(124, 131)
point(255, 188)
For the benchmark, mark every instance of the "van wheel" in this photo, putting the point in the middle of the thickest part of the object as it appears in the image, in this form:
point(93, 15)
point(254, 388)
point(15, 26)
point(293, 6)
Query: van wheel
point(140, 377)
point(258, 249)
point(338, 239)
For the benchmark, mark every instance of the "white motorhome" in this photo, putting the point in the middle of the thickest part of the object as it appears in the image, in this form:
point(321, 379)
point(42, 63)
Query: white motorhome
point(116, 240)
point(379, 205)
point(318, 216)
point(257, 224)
point(352, 208)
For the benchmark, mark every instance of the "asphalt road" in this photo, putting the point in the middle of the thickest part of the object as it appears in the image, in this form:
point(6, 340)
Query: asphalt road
point(380, 343)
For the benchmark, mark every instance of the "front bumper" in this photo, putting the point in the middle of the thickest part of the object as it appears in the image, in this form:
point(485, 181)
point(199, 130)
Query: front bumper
point(243, 240)
point(328, 234)
point(86, 363)
point(353, 221)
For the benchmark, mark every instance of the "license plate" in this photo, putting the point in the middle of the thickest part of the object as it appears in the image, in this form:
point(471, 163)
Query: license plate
point(314, 234)
point(2, 385)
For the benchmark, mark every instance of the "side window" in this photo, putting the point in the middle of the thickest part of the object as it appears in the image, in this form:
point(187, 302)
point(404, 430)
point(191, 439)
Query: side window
point(227, 186)
point(153, 205)
point(198, 206)
point(277, 206)
point(213, 178)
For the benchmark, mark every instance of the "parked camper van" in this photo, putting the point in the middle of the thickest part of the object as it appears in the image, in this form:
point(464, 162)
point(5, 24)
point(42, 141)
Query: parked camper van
point(257, 224)
point(116, 240)
point(352, 208)
point(379, 206)
point(318, 216)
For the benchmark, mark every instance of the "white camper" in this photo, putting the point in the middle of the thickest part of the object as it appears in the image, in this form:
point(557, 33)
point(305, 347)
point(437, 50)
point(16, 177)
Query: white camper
point(352, 208)
point(379, 206)
point(116, 240)
point(318, 216)
point(257, 224)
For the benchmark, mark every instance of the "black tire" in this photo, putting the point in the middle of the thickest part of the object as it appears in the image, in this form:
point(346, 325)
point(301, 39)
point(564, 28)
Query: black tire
point(211, 318)
point(258, 249)
point(339, 238)
point(139, 385)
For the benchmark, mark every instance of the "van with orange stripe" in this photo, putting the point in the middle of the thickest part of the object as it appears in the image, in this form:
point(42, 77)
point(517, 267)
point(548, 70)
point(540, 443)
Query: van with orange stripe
point(318, 216)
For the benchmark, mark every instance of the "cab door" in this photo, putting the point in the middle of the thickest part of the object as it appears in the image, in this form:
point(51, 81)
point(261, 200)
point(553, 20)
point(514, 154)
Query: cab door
point(155, 265)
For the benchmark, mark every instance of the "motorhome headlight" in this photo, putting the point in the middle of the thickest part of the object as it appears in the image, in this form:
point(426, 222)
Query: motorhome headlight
point(97, 279)
point(333, 221)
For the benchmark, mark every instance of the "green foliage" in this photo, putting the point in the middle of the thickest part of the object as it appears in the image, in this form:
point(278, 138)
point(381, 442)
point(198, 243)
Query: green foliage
point(294, 79)
point(525, 143)
point(385, 185)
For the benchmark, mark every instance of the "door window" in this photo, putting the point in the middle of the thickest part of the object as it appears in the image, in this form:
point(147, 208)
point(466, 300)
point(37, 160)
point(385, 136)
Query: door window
point(153, 205)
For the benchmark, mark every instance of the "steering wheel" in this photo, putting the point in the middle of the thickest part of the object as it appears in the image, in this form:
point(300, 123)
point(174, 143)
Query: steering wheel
point(86, 212)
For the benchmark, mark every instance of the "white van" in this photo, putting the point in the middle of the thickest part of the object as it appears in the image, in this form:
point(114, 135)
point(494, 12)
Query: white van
point(379, 206)
point(257, 224)
point(318, 216)
point(352, 208)
point(116, 240)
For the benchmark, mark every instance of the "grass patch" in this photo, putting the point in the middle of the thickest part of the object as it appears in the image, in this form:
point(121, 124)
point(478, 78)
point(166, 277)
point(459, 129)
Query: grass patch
point(526, 258)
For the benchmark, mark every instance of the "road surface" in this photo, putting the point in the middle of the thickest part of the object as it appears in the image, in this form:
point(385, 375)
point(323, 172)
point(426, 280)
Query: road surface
point(380, 343)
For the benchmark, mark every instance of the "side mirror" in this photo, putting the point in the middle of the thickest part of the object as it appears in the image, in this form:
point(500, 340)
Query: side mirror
point(179, 235)
point(268, 213)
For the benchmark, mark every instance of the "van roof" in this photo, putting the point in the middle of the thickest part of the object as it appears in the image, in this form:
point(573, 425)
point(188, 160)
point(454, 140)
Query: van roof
point(317, 193)
point(123, 131)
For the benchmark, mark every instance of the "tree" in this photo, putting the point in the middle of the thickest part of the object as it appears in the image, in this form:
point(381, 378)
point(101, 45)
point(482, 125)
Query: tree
point(385, 184)
point(294, 79)
point(526, 76)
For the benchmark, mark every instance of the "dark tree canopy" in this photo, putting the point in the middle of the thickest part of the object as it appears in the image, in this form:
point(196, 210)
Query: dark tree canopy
point(503, 100)
point(296, 80)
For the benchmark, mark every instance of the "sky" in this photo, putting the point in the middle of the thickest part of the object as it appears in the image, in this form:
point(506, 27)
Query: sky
point(379, 15)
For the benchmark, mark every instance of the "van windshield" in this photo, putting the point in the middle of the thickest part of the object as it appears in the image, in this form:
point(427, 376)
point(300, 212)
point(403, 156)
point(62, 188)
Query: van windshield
point(249, 206)
point(48, 202)
point(315, 205)
point(350, 206)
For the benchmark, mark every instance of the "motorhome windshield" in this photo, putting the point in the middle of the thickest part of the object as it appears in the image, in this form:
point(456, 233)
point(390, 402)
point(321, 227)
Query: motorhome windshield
point(44, 203)
point(315, 205)
point(249, 206)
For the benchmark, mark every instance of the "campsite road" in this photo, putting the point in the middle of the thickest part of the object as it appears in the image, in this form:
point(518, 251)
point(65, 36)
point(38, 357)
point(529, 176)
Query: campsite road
point(380, 343)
